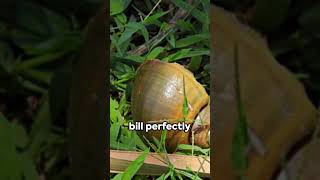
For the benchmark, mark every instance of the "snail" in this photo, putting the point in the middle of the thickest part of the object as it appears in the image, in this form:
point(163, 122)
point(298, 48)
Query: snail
point(158, 95)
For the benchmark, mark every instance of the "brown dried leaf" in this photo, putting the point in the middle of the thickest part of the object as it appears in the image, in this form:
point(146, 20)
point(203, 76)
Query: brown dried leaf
point(277, 107)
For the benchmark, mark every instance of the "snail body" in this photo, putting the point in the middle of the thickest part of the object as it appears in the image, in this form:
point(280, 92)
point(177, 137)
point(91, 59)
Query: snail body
point(158, 95)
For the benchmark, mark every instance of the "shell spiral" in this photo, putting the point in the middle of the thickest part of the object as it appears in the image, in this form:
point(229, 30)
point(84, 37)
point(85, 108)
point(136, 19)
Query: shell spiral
point(158, 95)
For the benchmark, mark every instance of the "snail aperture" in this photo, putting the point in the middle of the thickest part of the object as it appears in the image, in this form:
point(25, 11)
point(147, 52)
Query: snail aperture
point(158, 96)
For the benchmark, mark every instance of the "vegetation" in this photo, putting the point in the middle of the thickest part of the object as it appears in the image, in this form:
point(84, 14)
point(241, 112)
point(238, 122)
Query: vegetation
point(39, 41)
point(172, 31)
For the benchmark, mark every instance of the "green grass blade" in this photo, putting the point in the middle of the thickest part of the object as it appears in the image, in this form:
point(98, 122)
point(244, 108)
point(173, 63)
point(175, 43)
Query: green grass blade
point(187, 53)
point(240, 138)
point(185, 109)
point(133, 168)
point(187, 174)
point(193, 39)
point(152, 19)
point(155, 53)
point(131, 28)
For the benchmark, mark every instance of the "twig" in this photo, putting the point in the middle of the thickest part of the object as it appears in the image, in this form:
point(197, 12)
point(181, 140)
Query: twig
point(142, 49)
point(152, 10)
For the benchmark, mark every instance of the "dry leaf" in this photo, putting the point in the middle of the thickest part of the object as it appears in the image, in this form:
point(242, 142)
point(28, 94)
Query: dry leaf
point(277, 107)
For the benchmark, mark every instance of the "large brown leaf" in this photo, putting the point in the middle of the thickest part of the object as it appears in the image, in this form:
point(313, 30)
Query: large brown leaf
point(277, 107)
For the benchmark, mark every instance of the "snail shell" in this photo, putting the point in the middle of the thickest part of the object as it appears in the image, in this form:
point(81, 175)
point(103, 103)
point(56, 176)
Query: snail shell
point(158, 96)
point(201, 128)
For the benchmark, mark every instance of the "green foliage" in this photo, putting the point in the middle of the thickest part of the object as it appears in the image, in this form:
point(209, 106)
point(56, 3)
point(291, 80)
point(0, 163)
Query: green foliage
point(193, 39)
point(36, 36)
point(149, 21)
point(37, 47)
point(117, 7)
point(120, 136)
point(186, 149)
point(131, 28)
point(14, 164)
point(139, 32)
point(155, 53)
point(153, 19)
point(196, 13)
point(133, 167)
point(186, 53)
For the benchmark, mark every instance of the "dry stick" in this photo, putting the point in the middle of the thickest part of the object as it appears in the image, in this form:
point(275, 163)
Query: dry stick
point(152, 10)
point(142, 49)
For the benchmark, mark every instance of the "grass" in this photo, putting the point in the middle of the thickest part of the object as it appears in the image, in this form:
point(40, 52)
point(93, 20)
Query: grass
point(36, 59)
point(37, 50)
point(171, 31)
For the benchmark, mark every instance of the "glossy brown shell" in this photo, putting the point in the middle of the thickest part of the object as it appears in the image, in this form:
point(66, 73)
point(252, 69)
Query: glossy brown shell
point(158, 95)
